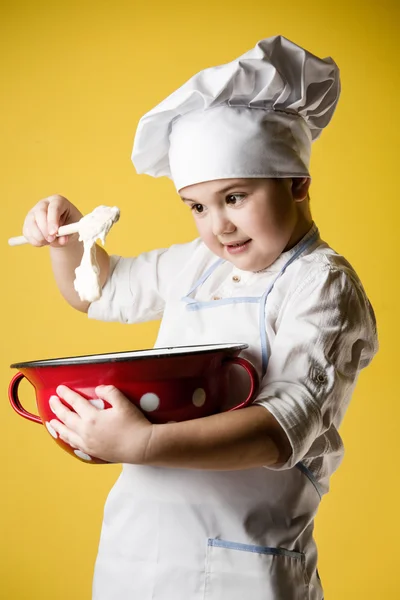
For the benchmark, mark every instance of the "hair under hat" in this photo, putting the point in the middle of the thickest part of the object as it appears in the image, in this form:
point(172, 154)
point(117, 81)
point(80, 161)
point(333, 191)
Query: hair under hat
point(256, 116)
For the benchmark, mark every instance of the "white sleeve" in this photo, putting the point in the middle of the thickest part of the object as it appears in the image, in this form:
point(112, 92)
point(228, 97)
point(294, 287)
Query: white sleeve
point(136, 287)
point(326, 335)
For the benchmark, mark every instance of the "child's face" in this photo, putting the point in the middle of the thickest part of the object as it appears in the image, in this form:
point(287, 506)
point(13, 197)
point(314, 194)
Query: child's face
point(249, 222)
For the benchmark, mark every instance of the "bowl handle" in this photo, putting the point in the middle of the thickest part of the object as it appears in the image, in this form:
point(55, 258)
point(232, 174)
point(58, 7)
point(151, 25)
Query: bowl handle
point(15, 402)
point(254, 380)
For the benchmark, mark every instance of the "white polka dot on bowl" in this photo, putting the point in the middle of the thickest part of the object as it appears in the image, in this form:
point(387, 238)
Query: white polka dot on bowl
point(51, 430)
point(98, 403)
point(82, 455)
point(199, 397)
point(149, 402)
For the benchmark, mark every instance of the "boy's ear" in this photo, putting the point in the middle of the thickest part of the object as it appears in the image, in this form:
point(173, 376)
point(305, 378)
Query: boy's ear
point(300, 188)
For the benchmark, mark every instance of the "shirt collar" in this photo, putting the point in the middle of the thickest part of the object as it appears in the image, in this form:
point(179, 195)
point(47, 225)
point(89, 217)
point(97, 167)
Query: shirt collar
point(284, 257)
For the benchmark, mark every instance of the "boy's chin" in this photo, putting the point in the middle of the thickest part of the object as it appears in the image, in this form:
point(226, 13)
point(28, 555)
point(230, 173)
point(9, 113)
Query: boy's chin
point(246, 264)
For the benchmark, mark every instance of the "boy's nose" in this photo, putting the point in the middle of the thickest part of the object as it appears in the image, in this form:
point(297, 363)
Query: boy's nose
point(221, 225)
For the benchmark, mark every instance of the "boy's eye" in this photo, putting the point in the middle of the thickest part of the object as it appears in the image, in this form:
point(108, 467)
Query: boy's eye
point(235, 198)
point(197, 208)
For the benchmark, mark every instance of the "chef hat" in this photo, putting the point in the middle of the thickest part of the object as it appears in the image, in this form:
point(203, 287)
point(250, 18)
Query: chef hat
point(253, 117)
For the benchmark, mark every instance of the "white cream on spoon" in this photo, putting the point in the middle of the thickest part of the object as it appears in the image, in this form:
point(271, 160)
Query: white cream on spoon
point(92, 227)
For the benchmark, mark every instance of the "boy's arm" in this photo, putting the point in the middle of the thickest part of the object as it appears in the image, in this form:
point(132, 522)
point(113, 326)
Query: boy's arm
point(235, 440)
point(138, 286)
point(65, 259)
point(242, 439)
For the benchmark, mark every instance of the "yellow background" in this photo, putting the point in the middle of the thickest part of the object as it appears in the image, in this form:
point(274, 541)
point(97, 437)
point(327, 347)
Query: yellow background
point(75, 78)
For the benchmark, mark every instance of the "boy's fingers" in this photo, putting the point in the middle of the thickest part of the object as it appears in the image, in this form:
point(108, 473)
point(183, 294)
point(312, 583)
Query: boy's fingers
point(111, 394)
point(41, 220)
point(66, 416)
point(32, 232)
point(80, 405)
point(68, 436)
point(62, 240)
point(55, 209)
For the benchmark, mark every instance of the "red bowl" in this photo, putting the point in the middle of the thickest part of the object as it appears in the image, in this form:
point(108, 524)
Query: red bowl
point(167, 384)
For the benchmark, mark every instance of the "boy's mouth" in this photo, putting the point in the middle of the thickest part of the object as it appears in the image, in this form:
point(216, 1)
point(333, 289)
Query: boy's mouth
point(237, 247)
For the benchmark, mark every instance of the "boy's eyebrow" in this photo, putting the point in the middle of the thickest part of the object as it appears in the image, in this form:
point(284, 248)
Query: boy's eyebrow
point(223, 190)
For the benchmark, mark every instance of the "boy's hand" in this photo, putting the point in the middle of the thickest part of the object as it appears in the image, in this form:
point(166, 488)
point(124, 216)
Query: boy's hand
point(118, 434)
point(44, 219)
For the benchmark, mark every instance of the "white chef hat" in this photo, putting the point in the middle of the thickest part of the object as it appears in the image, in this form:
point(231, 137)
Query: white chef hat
point(253, 117)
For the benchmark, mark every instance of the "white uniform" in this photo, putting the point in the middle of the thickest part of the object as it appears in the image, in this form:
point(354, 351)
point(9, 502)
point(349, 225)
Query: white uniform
point(175, 534)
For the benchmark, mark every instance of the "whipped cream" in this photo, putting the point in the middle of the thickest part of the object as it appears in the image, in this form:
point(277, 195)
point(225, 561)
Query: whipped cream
point(92, 227)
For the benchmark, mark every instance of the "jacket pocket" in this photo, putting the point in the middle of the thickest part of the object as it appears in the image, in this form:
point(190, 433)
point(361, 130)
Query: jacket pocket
point(246, 572)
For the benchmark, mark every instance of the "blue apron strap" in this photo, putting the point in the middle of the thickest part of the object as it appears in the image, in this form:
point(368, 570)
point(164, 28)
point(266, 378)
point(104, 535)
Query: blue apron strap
point(263, 300)
point(202, 279)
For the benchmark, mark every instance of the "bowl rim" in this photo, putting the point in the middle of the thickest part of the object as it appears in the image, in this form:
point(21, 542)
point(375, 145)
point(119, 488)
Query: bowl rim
point(130, 355)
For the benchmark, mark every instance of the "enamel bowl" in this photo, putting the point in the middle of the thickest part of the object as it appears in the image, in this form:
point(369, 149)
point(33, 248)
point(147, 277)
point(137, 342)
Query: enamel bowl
point(167, 384)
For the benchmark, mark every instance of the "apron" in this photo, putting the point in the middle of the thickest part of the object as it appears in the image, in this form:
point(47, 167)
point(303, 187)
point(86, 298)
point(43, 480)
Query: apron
point(181, 534)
